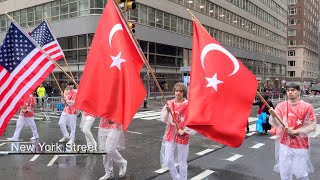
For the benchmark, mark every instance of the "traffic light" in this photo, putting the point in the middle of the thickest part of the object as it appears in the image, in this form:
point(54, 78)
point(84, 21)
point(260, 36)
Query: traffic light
point(131, 26)
point(129, 4)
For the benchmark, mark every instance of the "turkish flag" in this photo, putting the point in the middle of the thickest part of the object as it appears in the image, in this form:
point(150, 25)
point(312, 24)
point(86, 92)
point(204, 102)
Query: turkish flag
point(111, 86)
point(221, 92)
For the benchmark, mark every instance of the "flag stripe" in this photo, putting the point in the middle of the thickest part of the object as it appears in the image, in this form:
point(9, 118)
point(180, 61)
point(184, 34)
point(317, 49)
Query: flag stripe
point(2, 72)
point(13, 105)
point(21, 78)
point(3, 76)
point(19, 86)
point(52, 49)
point(26, 60)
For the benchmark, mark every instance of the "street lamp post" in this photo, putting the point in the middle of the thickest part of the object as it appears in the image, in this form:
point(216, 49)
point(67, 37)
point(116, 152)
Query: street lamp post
point(302, 79)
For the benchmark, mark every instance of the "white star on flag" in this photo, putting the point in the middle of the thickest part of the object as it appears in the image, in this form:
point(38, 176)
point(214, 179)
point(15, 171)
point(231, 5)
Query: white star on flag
point(116, 61)
point(299, 122)
point(213, 82)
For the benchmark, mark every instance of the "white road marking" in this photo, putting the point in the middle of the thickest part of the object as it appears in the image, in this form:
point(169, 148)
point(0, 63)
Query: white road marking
point(55, 157)
point(216, 146)
point(5, 140)
point(252, 119)
point(203, 175)
point(146, 115)
point(2, 144)
point(253, 127)
point(273, 137)
point(34, 157)
point(257, 146)
point(251, 133)
point(234, 157)
point(204, 152)
point(151, 118)
point(134, 132)
point(162, 170)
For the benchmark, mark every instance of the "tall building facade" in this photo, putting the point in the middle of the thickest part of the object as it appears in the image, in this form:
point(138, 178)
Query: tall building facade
point(303, 43)
point(255, 31)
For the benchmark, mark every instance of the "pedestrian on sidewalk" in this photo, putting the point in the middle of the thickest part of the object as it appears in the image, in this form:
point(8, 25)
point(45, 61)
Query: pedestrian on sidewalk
point(41, 92)
point(292, 150)
point(263, 125)
point(69, 114)
point(26, 116)
point(175, 145)
point(111, 141)
point(85, 125)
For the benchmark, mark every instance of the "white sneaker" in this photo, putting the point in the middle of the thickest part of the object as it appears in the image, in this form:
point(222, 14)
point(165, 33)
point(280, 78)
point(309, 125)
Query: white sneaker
point(12, 139)
point(64, 139)
point(123, 169)
point(34, 138)
point(107, 176)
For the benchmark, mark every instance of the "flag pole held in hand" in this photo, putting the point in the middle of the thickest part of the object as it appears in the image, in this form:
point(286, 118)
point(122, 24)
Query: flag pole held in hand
point(146, 62)
point(266, 103)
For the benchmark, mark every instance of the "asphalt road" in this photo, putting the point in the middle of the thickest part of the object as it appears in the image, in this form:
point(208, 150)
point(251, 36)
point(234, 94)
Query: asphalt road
point(207, 159)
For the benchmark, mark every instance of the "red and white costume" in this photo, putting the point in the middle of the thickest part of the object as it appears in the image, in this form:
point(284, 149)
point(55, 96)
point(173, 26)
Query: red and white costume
point(85, 125)
point(293, 153)
point(111, 141)
point(26, 116)
point(69, 114)
point(175, 147)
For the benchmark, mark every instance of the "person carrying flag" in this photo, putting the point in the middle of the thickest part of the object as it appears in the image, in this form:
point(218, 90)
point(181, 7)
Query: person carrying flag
point(111, 141)
point(85, 125)
point(292, 150)
point(26, 116)
point(176, 140)
point(69, 114)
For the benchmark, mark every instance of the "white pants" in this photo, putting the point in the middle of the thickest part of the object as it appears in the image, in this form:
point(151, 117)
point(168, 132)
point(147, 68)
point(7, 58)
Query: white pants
point(86, 126)
point(293, 162)
point(70, 120)
point(183, 151)
point(21, 122)
point(108, 141)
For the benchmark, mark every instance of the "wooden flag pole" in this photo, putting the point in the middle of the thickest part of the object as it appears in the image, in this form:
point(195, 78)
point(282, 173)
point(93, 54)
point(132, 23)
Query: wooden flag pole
point(266, 103)
point(263, 100)
point(57, 82)
point(65, 60)
point(146, 62)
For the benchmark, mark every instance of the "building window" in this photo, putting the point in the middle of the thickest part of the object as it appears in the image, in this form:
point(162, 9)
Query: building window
point(291, 73)
point(292, 22)
point(291, 63)
point(292, 32)
point(292, 11)
point(292, 42)
point(292, 1)
point(291, 53)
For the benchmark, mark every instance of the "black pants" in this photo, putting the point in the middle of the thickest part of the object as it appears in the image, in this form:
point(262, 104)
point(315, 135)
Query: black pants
point(266, 126)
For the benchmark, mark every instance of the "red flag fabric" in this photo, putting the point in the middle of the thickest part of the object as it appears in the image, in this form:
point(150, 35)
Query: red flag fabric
point(221, 92)
point(111, 86)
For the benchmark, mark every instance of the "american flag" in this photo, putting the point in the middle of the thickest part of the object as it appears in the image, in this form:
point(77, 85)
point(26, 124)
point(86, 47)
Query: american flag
point(23, 67)
point(45, 39)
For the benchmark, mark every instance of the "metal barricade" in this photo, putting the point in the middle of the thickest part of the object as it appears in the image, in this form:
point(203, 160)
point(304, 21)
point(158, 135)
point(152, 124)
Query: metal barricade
point(52, 105)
